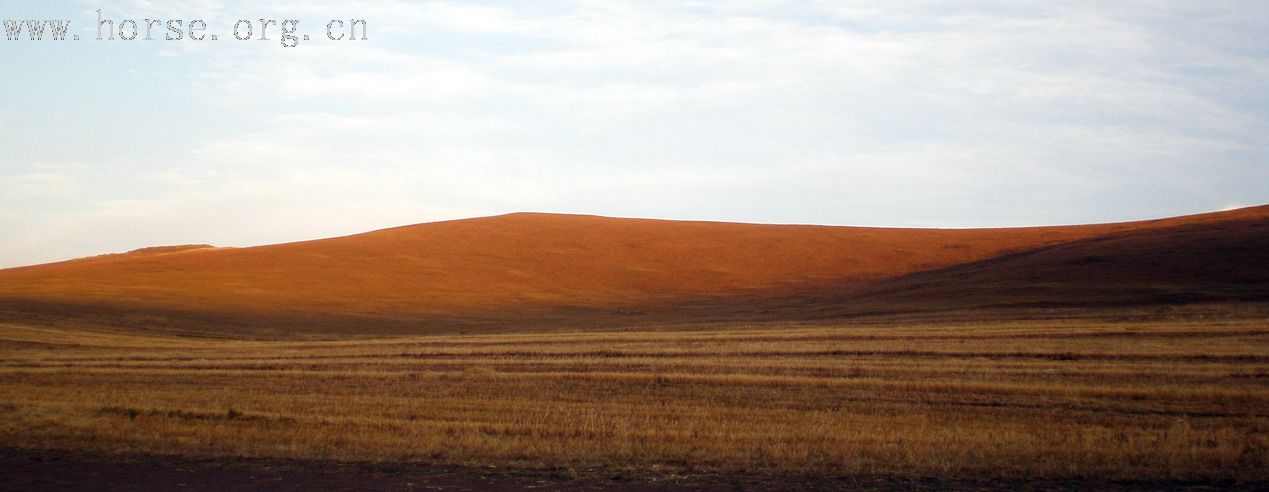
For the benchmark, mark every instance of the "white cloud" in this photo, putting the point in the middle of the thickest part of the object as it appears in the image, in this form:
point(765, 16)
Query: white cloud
point(996, 113)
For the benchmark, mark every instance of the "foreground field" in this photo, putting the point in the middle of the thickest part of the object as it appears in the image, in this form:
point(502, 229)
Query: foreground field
point(1152, 400)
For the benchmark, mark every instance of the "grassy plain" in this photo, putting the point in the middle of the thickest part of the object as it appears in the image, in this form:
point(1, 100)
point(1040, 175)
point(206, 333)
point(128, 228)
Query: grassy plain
point(1156, 399)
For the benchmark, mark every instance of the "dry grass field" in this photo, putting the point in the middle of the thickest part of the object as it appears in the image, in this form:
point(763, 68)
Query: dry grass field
point(586, 347)
point(1182, 397)
point(563, 272)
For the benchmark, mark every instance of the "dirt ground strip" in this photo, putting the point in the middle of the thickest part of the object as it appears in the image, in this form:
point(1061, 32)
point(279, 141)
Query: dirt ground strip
point(50, 470)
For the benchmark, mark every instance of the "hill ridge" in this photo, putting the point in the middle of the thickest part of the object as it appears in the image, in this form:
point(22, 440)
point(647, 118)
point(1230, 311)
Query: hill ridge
point(541, 268)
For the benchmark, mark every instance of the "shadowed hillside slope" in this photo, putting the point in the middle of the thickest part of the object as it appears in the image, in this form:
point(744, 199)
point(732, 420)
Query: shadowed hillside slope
point(524, 270)
point(1186, 263)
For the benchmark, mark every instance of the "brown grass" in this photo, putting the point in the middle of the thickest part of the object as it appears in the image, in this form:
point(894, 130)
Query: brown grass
point(557, 271)
point(1145, 400)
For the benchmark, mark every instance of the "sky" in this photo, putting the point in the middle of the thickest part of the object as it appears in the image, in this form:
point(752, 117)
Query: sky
point(871, 113)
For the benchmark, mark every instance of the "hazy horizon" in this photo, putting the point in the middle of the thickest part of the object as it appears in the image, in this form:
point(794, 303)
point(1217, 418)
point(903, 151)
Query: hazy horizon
point(353, 233)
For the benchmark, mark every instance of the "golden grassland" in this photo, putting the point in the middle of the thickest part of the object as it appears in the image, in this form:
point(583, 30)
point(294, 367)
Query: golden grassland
point(1162, 399)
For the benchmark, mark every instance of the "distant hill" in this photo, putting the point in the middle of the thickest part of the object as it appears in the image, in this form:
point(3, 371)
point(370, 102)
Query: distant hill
point(1214, 258)
point(527, 270)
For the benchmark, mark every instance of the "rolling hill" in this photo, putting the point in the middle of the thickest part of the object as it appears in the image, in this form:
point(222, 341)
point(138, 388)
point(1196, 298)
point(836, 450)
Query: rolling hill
point(523, 271)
